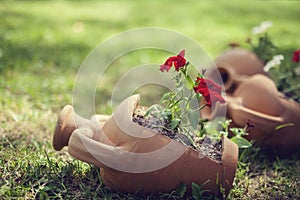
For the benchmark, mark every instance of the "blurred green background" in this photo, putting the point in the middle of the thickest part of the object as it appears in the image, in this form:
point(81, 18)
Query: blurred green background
point(42, 44)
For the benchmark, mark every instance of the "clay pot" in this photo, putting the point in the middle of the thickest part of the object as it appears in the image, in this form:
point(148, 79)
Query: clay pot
point(236, 65)
point(258, 100)
point(252, 96)
point(135, 158)
point(67, 122)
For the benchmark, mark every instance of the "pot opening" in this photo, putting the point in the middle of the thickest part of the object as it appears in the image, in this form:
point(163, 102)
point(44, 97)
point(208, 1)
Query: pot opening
point(226, 77)
point(211, 148)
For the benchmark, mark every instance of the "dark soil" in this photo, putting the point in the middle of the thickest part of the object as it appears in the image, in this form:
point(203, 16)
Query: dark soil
point(210, 148)
point(206, 146)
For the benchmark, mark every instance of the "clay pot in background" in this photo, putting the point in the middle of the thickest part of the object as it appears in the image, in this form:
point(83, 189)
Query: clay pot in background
point(258, 100)
point(131, 163)
point(236, 65)
point(252, 97)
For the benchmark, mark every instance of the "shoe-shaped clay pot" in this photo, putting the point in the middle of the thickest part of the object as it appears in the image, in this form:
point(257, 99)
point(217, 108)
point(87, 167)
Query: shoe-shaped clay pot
point(276, 118)
point(134, 158)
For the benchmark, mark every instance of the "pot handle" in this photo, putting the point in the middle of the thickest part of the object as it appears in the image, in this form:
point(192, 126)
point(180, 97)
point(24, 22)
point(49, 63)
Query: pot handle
point(82, 139)
point(78, 149)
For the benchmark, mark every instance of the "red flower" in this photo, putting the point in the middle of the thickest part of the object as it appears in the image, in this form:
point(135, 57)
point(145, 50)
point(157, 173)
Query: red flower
point(296, 56)
point(210, 90)
point(178, 61)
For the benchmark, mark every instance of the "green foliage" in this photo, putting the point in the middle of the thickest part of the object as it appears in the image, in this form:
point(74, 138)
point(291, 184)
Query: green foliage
point(180, 190)
point(284, 74)
point(189, 83)
point(238, 139)
point(235, 134)
point(283, 125)
point(196, 191)
point(265, 48)
point(241, 142)
point(286, 78)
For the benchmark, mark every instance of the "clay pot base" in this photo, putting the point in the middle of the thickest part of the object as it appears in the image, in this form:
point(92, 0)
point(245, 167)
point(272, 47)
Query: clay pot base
point(189, 167)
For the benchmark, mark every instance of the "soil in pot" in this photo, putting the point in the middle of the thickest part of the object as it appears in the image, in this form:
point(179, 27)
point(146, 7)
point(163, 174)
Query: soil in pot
point(207, 146)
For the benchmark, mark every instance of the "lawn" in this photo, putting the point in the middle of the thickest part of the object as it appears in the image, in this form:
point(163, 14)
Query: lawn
point(42, 45)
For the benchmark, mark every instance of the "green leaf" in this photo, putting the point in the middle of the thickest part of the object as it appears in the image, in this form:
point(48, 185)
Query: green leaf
point(187, 63)
point(165, 97)
point(189, 84)
point(196, 191)
point(241, 142)
point(225, 124)
point(238, 132)
point(283, 125)
point(193, 118)
point(150, 109)
point(174, 123)
point(180, 190)
point(225, 133)
point(212, 131)
point(166, 113)
point(173, 104)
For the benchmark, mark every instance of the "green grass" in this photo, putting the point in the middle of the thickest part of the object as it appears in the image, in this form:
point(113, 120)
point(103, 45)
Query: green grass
point(42, 45)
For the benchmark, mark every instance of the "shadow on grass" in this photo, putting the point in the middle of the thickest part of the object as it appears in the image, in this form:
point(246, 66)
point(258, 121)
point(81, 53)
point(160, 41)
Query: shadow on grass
point(37, 55)
point(26, 44)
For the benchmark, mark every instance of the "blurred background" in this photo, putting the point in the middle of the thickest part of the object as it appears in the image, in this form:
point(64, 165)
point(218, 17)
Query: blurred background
point(43, 43)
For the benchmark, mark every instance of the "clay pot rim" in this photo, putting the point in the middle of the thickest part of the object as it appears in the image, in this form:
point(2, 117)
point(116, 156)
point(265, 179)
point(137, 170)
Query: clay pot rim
point(229, 72)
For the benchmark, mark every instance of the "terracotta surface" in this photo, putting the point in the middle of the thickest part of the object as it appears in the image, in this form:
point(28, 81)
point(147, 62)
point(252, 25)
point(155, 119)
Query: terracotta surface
point(252, 96)
point(131, 163)
point(67, 122)
point(236, 65)
point(259, 101)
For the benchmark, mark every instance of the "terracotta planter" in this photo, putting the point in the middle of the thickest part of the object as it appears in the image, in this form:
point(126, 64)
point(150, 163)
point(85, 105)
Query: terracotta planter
point(259, 101)
point(252, 96)
point(236, 65)
point(135, 158)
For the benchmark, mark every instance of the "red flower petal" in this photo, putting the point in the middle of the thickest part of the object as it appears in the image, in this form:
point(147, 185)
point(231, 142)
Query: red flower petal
point(296, 56)
point(209, 90)
point(164, 68)
point(182, 53)
point(217, 97)
point(178, 62)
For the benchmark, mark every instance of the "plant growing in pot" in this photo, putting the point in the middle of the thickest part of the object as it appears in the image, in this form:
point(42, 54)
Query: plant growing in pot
point(158, 148)
point(263, 87)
